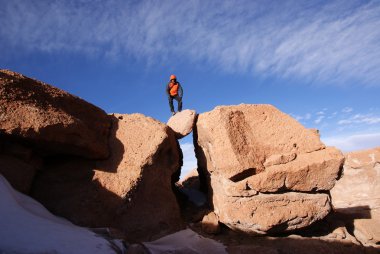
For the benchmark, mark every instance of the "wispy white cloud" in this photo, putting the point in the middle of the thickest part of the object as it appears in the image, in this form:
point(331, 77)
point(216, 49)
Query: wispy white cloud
point(328, 41)
point(319, 119)
point(332, 115)
point(354, 142)
point(297, 117)
point(347, 110)
point(339, 125)
point(361, 119)
point(320, 113)
point(307, 116)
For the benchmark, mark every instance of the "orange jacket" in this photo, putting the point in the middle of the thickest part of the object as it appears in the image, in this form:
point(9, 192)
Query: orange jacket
point(174, 89)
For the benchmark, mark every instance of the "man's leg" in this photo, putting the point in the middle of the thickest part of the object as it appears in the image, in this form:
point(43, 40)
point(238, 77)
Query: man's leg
point(179, 104)
point(171, 104)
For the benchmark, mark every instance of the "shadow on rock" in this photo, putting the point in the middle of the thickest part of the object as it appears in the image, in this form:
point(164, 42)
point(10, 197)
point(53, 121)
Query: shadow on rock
point(117, 149)
point(340, 218)
point(66, 188)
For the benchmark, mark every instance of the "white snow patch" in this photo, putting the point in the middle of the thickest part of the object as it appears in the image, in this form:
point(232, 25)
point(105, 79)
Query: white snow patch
point(28, 227)
point(185, 241)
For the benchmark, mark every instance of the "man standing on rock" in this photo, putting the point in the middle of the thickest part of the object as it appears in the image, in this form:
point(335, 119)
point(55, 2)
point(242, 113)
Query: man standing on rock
point(174, 91)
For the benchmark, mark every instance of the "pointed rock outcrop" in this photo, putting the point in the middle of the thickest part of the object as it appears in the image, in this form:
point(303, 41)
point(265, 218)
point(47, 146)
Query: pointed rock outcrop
point(51, 119)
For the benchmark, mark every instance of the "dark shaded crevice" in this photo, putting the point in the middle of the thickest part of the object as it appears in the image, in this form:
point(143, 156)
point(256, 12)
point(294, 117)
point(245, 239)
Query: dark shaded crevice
point(243, 175)
point(201, 161)
point(285, 190)
point(341, 171)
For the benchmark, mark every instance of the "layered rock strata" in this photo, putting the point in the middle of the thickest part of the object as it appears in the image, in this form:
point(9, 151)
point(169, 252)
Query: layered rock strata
point(265, 172)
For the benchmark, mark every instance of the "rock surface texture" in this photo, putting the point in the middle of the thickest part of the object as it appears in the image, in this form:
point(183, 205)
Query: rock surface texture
point(18, 164)
point(357, 195)
point(182, 123)
point(50, 118)
point(131, 191)
point(19, 173)
point(256, 161)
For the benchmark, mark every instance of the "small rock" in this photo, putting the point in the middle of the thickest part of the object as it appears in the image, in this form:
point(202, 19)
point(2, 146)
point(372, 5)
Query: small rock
point(182, 123)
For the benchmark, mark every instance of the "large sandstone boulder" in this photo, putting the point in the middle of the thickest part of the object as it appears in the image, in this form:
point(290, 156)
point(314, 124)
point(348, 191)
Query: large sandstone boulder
point(145, 174)
point(247, 150)
point(131, 191)
point(357, 195)
point(182, 123)
point(50, 118)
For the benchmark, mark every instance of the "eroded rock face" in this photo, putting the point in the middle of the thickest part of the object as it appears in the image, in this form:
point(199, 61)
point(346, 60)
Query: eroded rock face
point(146, 173)
point(367, 159)
point(314, 171)
point(357, 195)
point(246, 152)
point(131, 191)
point(272, 213)
point(210, 223)
point(182, 122)
point(51, 119)
point(18, 173)
point(360, 183)
point(18, 164)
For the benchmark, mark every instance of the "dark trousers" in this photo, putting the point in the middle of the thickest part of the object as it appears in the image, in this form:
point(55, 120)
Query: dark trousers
point(178, 99)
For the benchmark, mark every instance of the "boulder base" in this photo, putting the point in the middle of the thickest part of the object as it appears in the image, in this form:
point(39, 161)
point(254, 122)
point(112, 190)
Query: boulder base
point(269, 213)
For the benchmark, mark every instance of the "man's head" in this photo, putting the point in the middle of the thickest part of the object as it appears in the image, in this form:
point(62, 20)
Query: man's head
point(173, 78)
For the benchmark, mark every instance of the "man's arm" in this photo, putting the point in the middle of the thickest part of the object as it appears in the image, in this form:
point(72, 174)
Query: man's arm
point(180, 90)
point(167, 90)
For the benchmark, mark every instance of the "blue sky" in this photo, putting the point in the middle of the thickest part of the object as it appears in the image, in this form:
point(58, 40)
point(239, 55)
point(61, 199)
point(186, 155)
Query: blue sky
point(318, 61)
